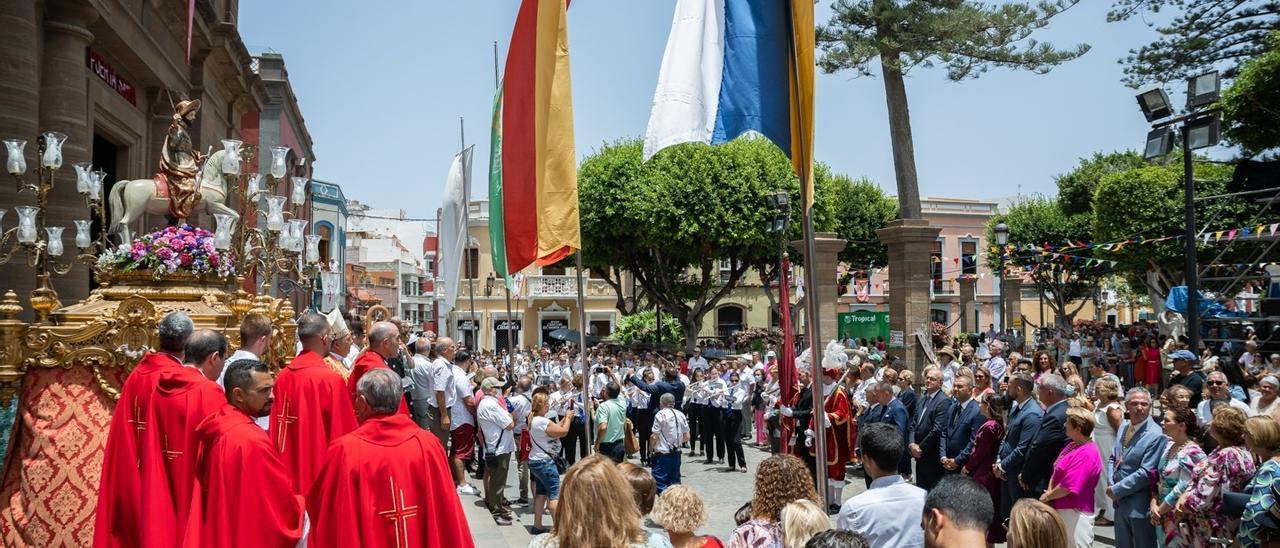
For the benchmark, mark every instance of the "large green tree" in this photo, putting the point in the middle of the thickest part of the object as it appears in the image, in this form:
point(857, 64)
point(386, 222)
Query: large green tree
point(965, 36)
point(670, 223)
point(1041, 222)
point(1251, 104)
point(1202, 34)
point(1144, 204)
point(1076, 187)
point(861, 208)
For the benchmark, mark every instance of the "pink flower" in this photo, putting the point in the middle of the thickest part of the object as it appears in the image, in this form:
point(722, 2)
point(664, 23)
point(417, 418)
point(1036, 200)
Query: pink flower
point(164, 253)
point(184, 259)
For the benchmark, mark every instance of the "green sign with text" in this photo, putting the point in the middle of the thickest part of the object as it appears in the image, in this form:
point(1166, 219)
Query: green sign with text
point(863, 324)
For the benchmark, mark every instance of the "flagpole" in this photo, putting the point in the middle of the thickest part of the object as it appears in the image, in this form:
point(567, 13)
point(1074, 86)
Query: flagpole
point(811, 318)
point(506, 286)
point(582, 355)
point(466, 227)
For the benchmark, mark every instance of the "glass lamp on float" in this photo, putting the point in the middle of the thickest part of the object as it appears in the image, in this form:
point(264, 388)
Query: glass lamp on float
point(26, 224)
point(279, 162)
point(52, 158)
point(299, 195)
point(231, 157)
point(275, 213)
point(83, 239)
point(226, 225)
point(16, 162)
point(55, 241)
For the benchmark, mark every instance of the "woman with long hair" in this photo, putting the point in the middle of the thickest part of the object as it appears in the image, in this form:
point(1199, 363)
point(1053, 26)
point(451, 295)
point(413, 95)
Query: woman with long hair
point(544, 435)
point(1042, 363)
point(1108, 413)
point(1228, 468)
point(986, 446)
point(591, 514)
point(1177, 463)
point(780, 479)
point(801, 520)
point(680, 513)
point(1262, 435)
point(982, 381)
point(1033, 524)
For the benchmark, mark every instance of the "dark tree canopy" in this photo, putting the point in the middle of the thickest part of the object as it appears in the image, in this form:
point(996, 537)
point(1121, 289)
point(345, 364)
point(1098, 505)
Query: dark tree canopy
point(1251, 104)
point(1076, 187)
point(861, 208)
point(1203, 34)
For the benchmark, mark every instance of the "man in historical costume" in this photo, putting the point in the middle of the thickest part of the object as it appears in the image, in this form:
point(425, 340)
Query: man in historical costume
point(340, 344)
point(180, 163)
point(834, 423)
point(386, 484)
point(118, 519)
point(184, 397)
point(384, 343)
point(242, 495)
point(797, 413)
point(311, 407)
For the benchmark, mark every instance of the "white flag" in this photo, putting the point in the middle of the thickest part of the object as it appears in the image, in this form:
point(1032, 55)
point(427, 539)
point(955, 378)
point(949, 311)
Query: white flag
point(688, 94)
point(453, 228)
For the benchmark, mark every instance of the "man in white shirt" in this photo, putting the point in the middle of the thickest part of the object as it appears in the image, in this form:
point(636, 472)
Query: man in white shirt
point(1219, 395)
point(670, 431)
point(888, 513)
point(462, 425)
point(443, 390)
point(422, 394)
point(696, 361)
point(497, 425)
point(521, 406)
point(996, 365)
point(255, 338)
point(1250, 361)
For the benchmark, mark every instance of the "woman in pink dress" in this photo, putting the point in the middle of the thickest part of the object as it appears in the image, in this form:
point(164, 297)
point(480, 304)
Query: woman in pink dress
point(986, 443)
point(1075, 476)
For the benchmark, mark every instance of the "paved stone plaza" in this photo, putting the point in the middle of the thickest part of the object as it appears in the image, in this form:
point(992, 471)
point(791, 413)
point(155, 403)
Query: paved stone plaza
point(723, 493)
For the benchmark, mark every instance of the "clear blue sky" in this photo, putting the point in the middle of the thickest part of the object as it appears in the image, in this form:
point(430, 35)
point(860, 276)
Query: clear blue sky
point(382, 85)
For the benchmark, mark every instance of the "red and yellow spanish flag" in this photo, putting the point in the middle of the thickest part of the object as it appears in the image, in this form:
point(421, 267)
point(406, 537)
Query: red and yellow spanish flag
point(539, 164)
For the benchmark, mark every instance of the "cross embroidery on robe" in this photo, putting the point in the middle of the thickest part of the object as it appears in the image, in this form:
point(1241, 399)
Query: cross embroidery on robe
point(169, 454)
point(285, 420)
point(399, 515)
point(139, 428)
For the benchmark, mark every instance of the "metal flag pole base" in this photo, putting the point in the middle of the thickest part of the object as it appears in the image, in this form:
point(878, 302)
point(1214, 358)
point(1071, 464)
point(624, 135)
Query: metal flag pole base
point(582, 358)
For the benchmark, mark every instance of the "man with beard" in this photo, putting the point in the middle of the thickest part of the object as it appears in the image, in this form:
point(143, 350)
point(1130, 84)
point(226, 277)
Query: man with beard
point(234, 457)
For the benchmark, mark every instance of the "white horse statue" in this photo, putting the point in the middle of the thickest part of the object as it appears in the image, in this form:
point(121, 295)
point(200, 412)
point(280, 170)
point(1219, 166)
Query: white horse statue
point(130, 200)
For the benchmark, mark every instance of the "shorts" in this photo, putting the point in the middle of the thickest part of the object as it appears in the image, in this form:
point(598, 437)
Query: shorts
point(462, 442)
point(546, 479)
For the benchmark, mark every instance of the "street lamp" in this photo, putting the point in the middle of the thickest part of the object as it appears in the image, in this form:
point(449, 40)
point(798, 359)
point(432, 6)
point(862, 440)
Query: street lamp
point(1200, 128)
point(1002, 238)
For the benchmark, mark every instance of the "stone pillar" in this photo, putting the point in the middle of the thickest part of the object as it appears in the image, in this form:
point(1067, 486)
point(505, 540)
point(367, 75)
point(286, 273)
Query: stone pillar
point(64, 107)
point(827, 248)
point(1011, 288)
point(19, 119)
point(968, 285)
point(910, 243)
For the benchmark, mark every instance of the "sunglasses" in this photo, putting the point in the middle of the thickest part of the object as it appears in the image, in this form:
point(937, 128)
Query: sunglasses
point(1216, 383)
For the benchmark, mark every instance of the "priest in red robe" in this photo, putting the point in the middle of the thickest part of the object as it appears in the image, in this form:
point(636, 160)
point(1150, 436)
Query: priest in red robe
point(384, 342)
point(242, 495)
point(387, 484)
point(312, 407)
point(117, 520)
point(184, 397)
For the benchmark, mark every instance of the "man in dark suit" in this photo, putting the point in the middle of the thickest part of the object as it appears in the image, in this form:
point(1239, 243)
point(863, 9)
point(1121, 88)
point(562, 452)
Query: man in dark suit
point(962, 425)
point(1023, 421)
point(670, 384)
point(801, 411)
point(930, 422)
point(888, 411)
point(1050, 437)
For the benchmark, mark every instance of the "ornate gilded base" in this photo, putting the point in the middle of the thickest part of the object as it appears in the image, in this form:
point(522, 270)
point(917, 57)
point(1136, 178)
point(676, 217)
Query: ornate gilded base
point(116, 324)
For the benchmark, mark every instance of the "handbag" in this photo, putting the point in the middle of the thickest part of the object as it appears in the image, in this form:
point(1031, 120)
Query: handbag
point(562, 465)
point(631, 445)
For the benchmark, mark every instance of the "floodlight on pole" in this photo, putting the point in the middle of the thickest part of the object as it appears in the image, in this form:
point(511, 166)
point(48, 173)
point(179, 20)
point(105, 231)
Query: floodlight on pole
point(1203, 132)
point(1155, 104)
point(1159, 143)
point(1203, 89)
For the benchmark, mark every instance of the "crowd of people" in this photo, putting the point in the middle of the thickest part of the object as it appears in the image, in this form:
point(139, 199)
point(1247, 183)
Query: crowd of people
point(356, 440)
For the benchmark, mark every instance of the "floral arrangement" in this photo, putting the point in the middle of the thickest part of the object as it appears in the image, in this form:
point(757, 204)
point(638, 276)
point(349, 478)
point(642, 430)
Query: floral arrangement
point(171, 250)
